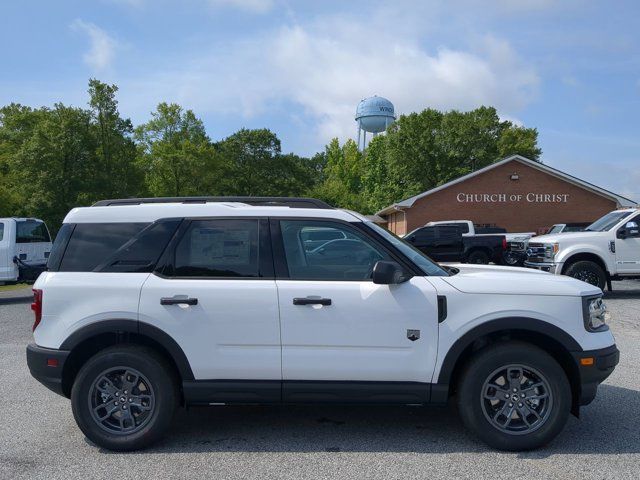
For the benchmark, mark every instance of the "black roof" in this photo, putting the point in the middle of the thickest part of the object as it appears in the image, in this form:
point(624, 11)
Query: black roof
point(293, 202)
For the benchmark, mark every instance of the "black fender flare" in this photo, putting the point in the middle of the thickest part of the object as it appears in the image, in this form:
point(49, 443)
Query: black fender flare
point(522, 324)
point(133, 326)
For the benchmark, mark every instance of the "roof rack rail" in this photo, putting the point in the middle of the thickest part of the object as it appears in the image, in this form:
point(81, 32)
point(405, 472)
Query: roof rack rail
point(293, 202)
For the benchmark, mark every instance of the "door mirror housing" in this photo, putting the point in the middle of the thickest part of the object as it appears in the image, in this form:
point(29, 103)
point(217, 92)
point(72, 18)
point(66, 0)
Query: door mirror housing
point(388, 273)
point(630, 230)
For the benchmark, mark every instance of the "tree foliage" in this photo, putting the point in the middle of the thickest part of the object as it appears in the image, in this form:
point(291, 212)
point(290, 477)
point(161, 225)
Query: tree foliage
point(55, 158)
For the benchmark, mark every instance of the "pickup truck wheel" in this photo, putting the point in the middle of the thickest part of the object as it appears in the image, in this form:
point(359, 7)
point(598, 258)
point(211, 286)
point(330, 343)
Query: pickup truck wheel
point(514, 396)
point(589, 272)
point(478, 257)
point(123, 399)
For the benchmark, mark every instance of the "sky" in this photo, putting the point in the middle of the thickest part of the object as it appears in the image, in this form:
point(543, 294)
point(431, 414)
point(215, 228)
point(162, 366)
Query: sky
point(569, 68)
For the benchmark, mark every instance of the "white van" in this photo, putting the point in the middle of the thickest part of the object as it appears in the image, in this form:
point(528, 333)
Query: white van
point(25, 245)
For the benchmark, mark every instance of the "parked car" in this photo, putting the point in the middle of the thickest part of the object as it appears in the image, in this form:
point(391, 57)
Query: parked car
point(567, 228)
point(447, 243)
point(25, 246)
point(608, 249)
point(514, 253)
point(151, 304)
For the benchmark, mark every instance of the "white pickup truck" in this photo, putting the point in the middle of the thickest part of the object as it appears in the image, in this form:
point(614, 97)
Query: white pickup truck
point(608, 249)
point(25, 245)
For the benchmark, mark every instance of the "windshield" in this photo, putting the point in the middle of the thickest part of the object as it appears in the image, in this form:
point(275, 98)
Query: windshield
point(428, 266)
point(555, 229)
point(607, 222)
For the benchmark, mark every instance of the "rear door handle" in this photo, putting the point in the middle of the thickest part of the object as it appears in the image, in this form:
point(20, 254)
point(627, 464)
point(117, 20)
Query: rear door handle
point(178, 301)
point(312, 301)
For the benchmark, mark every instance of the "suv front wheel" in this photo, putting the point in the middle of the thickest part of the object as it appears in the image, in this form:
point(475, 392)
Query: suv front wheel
point(124, 397)
point(514, 396)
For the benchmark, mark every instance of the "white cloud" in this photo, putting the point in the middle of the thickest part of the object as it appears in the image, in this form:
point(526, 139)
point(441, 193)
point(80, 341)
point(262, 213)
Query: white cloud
point(325, 68)
point(251, 6)
point(102, 47)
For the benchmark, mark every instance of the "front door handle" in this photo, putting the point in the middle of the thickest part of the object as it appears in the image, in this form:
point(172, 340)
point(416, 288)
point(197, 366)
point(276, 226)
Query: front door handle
point(312, 301)
point(178, 301)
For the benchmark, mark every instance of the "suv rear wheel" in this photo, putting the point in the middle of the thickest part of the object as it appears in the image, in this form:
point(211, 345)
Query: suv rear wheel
point(514, 396)
point(124, 397)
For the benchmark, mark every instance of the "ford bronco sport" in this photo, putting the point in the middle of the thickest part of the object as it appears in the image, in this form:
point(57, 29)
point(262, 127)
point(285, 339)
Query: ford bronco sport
point(149, 304)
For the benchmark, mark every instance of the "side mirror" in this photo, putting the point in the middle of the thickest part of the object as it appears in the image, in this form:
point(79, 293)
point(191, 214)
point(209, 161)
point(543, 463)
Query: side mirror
point(631, 229)
point(388, 273)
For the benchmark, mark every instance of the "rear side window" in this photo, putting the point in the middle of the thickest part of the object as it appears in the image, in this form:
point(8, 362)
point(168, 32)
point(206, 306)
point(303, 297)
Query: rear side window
point(91, 244)
point(141, 253)
point(1, 231)
point(218, 248)
point(31, 231)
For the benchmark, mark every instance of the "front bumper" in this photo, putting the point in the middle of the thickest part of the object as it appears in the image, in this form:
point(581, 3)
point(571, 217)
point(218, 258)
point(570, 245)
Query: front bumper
point(594, 372)
point(544, 266)
point(46, 365)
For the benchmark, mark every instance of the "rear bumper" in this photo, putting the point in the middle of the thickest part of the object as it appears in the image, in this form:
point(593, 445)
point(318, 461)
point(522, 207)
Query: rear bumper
point(604, 362)
point(46, 365)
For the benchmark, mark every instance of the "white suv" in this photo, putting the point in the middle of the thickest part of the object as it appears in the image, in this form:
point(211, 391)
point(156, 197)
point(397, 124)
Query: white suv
point(150, 304)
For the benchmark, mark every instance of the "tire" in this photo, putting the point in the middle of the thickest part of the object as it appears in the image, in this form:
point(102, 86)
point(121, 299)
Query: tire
point(478, 257)
point(512, 259)
point(522, 431)
point(589, 272)
point(150, 400)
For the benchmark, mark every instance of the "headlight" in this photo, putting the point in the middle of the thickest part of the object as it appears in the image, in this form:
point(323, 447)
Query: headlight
point(595, 314)
point(550, 250)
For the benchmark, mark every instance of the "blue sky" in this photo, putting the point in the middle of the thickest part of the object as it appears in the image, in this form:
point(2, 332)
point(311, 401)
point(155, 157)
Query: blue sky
point(569, 68)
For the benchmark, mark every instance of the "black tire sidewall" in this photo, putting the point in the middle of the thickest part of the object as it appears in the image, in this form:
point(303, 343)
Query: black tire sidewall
point(478, 254)
point(162, 380)
point(494, 357)
point(588, 266)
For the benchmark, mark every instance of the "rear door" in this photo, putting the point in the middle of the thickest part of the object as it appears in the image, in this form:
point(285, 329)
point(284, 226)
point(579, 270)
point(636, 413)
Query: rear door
point(345, 338)
point(214, 293)
point(33, 243)
point(7, 268)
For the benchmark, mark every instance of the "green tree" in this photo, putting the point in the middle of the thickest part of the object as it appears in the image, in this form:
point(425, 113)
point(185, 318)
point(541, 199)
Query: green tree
point(117, 173)
point(257, 167)
point(175, 153)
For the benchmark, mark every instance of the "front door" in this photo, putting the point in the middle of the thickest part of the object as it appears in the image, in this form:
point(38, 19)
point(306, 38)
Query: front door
point(345, 338)
point(628, 249)
point(216, 297)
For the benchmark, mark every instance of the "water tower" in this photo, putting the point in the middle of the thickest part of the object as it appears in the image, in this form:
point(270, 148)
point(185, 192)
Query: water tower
point(374, 115)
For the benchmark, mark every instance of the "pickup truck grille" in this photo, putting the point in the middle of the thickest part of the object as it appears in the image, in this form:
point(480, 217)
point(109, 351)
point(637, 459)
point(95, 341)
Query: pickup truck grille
point(535, 253)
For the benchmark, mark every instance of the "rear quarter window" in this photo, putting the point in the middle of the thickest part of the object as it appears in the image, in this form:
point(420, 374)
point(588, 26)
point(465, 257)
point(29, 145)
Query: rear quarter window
point(91, 244)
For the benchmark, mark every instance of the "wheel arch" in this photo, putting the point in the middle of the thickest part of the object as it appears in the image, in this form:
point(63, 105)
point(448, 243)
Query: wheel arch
point(87, 341)
point(585, 256)
point(550, 338)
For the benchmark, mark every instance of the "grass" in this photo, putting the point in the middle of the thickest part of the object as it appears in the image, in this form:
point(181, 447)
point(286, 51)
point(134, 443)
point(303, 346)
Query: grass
point(17, 286)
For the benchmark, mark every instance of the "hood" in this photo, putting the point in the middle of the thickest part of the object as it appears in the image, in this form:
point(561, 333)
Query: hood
point(498, 280)
point(560, 237)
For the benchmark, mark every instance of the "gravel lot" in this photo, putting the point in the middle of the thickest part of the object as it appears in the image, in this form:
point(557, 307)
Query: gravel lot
point(39, 438)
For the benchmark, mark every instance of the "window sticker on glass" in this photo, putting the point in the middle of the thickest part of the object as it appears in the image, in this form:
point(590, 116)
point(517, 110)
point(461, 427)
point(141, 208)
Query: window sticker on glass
point(232, 247)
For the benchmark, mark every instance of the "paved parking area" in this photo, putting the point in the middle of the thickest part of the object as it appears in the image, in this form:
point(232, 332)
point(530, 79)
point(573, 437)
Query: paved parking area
point(39, 439)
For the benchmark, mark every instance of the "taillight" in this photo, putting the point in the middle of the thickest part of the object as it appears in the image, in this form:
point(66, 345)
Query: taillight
point(36, 306)
point(504, 244)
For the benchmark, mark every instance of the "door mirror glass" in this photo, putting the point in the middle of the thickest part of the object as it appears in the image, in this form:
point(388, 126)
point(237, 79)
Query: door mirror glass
point(388, 273)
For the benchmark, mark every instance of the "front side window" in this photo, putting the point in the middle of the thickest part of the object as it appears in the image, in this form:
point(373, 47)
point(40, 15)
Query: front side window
point(218, 248)
point(1, 231)
point(428, 266)
point(31, 231)
point(343, 253)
